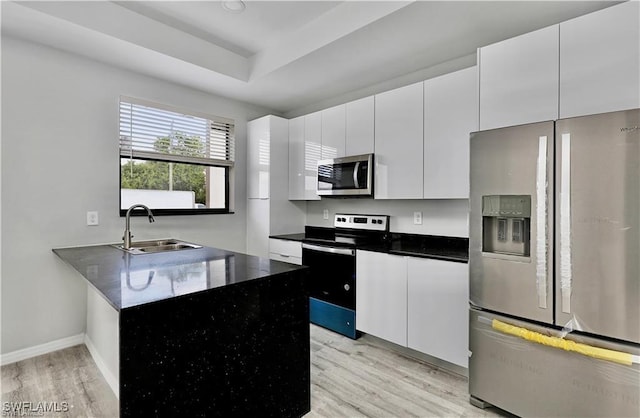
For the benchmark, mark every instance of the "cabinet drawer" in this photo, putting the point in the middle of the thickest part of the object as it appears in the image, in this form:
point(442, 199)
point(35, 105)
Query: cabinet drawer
point(285, 248)
point(286, 258)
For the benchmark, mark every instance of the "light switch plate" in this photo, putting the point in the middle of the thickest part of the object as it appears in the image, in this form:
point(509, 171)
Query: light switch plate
point(325, 214)
point(92, 218)
point(417, 218)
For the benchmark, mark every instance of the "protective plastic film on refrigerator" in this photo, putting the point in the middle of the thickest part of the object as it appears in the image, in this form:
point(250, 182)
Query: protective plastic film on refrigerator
point(554, 254)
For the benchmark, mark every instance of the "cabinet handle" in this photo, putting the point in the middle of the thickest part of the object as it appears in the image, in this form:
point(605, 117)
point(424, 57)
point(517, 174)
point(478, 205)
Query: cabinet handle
point(284, 255)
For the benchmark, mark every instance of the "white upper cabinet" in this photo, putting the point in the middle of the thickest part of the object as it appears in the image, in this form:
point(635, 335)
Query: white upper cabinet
point(399, 143)
point(437, 309)
point(269, 210)
point(312, 153)
point(333, 132)
point(519, 79)
point(296, 159)
point(360, 125)
point(600, 61)
point(258, 149)
point(450, 114)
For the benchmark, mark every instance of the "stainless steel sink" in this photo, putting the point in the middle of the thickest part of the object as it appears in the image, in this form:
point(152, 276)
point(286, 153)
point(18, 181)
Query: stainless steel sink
point(157, 246)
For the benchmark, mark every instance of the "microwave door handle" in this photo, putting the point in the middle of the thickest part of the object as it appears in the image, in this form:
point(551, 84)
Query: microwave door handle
point(356, 169)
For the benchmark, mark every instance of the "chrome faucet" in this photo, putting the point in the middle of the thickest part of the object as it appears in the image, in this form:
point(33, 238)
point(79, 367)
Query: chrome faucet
point(127, 229)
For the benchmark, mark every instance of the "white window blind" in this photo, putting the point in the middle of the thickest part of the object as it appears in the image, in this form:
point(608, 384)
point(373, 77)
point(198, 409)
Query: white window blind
point(151, 131)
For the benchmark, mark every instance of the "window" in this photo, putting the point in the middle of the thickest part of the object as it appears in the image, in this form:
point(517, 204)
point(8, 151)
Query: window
point(173, 162)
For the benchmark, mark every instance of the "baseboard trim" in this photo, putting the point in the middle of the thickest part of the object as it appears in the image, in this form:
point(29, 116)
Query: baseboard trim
point(111, 379)
point(41, 349)
point(434, 361)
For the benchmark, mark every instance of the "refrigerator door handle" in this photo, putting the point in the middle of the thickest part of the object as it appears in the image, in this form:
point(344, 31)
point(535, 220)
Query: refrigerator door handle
point(565, 224)
point(541, 223)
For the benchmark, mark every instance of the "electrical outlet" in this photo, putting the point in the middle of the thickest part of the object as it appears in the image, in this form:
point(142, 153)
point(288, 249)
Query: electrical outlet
point(325, 214)
point(92, 218)
point(417, 218)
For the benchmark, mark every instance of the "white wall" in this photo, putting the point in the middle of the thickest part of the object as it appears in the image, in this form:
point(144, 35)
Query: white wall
point(439, 217)
point(60, 160)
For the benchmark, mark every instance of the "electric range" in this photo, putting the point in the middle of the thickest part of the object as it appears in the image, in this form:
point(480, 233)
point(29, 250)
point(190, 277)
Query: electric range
point(331, 257)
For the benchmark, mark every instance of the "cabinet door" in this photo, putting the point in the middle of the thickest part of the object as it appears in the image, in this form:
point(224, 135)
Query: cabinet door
point(258, 144)
point(312, 153)
point(284, 250)
point(296, 159)
point(519, 79)
point(600, 61)
point(359, 129)
point(450, 114)
point(381, 296)
point(258, 227)
point(399, 143)
point(437, 311)
point(278, 159)
point(333, 132)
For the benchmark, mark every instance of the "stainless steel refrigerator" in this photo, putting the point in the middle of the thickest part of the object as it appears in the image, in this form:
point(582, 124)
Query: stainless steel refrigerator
point(554, 260)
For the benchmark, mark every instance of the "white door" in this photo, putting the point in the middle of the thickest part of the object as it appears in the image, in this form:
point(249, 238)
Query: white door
point(519, 79)
point(600, 61)
point(437, 309)
point(399, 143)
point(381, 296)
point(450, 115)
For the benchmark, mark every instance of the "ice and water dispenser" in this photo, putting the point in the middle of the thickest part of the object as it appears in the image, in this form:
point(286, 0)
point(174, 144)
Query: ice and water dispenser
point(505, 224)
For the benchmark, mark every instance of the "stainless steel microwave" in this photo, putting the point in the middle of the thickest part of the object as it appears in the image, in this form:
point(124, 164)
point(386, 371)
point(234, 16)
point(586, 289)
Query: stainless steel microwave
point(346, 176)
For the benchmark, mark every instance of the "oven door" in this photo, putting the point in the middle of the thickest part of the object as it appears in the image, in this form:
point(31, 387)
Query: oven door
point(346, 176)
point(333, 272)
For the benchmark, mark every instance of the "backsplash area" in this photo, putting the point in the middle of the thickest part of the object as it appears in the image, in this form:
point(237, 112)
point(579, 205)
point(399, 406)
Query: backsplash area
point(439, 217)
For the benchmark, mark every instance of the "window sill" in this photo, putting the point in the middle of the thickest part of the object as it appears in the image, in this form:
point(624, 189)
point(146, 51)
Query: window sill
point(178, 212)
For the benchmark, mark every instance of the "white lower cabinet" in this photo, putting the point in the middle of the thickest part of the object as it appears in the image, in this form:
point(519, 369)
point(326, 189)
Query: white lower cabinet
point(285, 250)
point(418, 303)
point(381, 296)
point(437, 309)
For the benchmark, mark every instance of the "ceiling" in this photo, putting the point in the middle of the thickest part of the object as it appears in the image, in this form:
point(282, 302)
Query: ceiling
point(283, 55)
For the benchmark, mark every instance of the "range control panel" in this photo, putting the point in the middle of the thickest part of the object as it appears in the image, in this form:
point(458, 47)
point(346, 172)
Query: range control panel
point(368, 222)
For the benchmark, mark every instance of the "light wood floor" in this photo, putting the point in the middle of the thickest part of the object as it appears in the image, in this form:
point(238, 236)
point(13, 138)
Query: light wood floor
point(68, 375)
point(349, 378)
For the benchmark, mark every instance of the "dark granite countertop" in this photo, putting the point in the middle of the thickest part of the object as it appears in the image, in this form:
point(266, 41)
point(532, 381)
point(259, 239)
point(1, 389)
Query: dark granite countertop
point(425, 246)
point(290, 237)
point(446, 248)
point(127, 280)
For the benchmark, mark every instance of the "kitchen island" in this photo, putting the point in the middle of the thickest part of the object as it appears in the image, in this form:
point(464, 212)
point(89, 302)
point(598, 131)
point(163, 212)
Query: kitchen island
point(202, 332)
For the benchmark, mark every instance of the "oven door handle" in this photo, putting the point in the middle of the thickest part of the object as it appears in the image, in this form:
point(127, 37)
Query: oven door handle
point(342, 251)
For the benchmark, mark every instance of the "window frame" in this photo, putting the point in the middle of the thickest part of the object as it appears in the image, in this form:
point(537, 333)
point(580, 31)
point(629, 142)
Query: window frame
point(229, 169)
